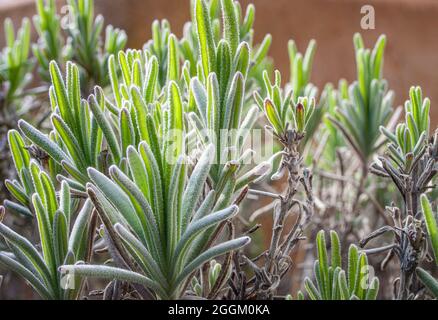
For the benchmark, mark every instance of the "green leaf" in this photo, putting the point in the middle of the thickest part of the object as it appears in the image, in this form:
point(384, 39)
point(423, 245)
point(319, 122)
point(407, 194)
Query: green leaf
point(127, 133)
point(45, 231)
point(155, 182)
point(428, 281)
point(79, 231)
point(343, 286)
point(17, 192)
point(196, 184)
point(231, 25)
point(211, 253)
point(335, 250)
point(362, 277)
point(173, 59)
point(60, 237)
point(378, 52)
point(142, 254)
point(323, 262)
point(353, 272)
point(27, 249)
point(97, 104)
point(312, 291)
point(236, 99)
point(50, 200)
point(151, 80)
point(176, 107)
point(114, 79)
point(200, 96)
point(36, 179)
point(173, 146)
point(174, 218)
point(118, 198)
point(17, 208)
point(223, 67)
point(65, 200)
point(9, 32)
point(150, 234)
point(242, 59)
point(308, 60)
point(126, 70)
point(205, 38)
point(248, 20)
point(69, 140)
point(262, 51)
point(335, 292)
point(273, 117)
point(213, 105)
point(110, 273)
point(141, 111)
point(373, 290)
point(431, 224)
point(61, 95)
point(198, 226)
point(19, 153)
point(15, 266)
point(42, 141)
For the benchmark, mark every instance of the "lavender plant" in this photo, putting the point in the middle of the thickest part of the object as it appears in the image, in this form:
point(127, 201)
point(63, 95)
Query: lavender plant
point(367, 107)
point(369, 103)
point(82, 41)
point(409, 163)
point(90, 50)
point(169, 237)
point(60, 243)
point(51, 45)
point(288, 121)
point(333, 282)
point(351, 136)
point(15, 75)
point(432, 230)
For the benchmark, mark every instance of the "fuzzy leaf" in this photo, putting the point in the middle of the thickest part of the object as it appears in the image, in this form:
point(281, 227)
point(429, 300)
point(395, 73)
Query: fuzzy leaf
point(205, 38)
point(428, 281)
point(431, 224)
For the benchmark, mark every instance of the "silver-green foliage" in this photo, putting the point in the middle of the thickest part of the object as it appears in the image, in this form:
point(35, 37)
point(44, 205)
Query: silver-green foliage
point(368, 104)
point(431, 224)
point(90, 50)
point(81, 42)
point(78, 127)
point(51, 43)
point(60, 243)
point(335, 283)
point(161, 219)
point(428, 280)
point(410, 137)
point(291, 107)
point(283, 114)
point(15, 65)
point(217, 102)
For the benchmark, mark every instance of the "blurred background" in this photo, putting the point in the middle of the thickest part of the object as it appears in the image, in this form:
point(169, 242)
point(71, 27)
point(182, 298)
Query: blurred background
point(411, 26)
